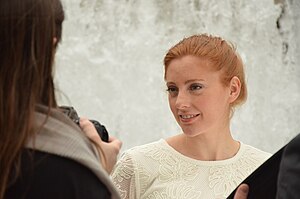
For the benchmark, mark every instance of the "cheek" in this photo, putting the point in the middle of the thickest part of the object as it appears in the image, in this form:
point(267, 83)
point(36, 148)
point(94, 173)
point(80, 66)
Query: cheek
point(206, 105)
point(172, 105)
point(217, 105)
point(201, 102)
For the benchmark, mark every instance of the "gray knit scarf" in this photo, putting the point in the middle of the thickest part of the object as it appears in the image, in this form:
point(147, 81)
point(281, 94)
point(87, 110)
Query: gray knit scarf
point(61, 136)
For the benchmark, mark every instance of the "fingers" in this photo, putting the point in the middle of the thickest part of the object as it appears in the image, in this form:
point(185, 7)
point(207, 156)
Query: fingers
point(110, 149)
point(113, 140)
point(114, 145)
point(242, 192)
point(89, 129)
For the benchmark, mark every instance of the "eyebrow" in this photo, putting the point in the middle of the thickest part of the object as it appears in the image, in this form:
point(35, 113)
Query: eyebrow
point(193, 80)
point(188, 81)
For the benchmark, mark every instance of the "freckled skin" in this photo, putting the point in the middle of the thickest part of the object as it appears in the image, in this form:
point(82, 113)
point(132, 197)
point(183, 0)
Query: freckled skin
point(196, 90)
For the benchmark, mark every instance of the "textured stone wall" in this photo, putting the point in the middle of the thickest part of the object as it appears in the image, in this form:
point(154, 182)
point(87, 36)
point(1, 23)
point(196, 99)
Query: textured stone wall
point(109, 65)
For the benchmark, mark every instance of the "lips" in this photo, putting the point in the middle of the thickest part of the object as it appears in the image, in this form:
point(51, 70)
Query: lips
point(188, 117)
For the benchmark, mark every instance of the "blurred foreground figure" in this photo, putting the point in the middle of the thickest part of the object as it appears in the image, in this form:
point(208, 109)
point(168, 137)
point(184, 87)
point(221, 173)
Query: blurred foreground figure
point(43, 154)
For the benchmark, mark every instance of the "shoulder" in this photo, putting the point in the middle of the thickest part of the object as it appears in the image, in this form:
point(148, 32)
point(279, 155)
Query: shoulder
point(253, 152)
point(140, 156)
point(134, 165)
point(145, 149)
point(294, 143)
point(39, 169)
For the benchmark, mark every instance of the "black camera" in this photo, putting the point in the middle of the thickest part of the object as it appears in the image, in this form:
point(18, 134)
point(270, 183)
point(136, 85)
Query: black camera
point(71, 112)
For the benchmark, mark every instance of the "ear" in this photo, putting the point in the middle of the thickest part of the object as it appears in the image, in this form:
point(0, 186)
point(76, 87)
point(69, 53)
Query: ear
point(235, 88)
point(54, 41)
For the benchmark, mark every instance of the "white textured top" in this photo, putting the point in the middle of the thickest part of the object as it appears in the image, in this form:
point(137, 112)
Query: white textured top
point(157, 171)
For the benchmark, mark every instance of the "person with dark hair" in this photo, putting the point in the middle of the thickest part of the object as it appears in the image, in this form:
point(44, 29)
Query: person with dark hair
point(205, 82)
point(43, 153)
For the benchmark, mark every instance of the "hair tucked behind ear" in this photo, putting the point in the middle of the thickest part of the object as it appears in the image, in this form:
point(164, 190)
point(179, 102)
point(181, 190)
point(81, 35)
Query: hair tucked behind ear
point(27, 29)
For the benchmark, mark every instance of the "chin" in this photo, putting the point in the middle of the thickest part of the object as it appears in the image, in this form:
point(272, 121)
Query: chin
point(191, 132)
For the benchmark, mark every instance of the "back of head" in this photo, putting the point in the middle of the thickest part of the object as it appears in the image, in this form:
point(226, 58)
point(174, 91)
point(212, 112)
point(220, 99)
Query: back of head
point(59, 17)
point(27, 29)
point(222, 54)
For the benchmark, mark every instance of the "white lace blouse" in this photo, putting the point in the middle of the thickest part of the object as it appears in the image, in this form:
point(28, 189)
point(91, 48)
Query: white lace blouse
point(157, 171)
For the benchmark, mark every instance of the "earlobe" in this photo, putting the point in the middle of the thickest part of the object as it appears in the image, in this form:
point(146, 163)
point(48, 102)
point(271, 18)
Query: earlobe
point(235, 88)
point(54, 41)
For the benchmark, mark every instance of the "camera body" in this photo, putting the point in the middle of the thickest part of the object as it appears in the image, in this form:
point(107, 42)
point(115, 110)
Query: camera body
point(71, 112)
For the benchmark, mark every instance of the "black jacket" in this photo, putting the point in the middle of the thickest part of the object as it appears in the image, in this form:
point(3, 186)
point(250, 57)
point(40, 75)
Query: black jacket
point(47, 176)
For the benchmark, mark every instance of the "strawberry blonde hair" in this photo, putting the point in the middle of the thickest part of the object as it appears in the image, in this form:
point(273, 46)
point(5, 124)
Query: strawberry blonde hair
point(221, 53)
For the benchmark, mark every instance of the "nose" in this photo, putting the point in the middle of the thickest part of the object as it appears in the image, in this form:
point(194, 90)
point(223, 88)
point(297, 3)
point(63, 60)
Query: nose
point(182, 100)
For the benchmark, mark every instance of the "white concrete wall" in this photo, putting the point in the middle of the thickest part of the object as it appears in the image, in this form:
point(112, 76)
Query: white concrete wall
point(109, 65)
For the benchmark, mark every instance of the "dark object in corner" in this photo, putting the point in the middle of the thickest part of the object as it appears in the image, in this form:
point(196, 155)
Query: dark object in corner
point(263, 181)
point(71, 112)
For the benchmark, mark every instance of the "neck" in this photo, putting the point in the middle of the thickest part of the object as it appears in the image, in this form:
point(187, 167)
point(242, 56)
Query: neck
point(206, 147)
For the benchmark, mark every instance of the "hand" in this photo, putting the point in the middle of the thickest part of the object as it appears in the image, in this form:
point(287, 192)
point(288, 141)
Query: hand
point(242, 192)
point(110, 149)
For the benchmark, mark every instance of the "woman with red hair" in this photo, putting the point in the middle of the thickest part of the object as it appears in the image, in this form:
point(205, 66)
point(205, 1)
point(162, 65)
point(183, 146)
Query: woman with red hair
point(205, 82)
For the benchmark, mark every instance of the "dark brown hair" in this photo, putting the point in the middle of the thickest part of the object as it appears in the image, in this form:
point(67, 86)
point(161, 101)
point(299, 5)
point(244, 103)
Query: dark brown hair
point(27, 29)
point(222, 54)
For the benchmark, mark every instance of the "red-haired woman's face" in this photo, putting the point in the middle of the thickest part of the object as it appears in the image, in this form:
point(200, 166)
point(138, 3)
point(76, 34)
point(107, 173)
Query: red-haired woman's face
point(197, 98)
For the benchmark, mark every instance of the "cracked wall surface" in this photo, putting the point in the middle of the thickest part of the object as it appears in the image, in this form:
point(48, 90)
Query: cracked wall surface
point(109, 64)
